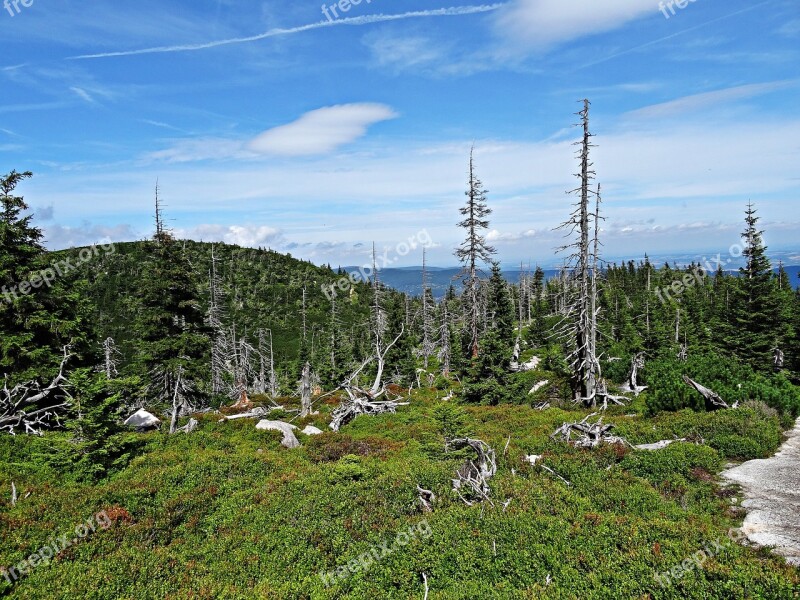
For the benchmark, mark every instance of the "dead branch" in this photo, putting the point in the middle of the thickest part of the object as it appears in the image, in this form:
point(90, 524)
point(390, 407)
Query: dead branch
point(426, 499)
point(256, 413)
point(349, 410)
point(21, 407)
point(657, 445)
point(591, 435)
point(710, 395)
point(474, 475)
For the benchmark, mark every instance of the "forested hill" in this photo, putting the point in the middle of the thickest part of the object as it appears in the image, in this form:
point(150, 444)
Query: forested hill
point(260, 290)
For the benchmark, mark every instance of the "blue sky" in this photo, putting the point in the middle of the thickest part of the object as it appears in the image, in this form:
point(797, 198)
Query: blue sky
point(267, 124)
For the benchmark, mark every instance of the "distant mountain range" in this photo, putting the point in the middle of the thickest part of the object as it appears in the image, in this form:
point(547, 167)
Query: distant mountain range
point(409, 279)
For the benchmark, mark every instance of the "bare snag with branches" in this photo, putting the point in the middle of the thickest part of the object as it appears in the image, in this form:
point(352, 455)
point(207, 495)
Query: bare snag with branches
point(30, 408)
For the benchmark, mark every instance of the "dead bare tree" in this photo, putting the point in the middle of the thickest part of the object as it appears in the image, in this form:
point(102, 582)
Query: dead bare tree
point(428, 346)
point(360, 401)
point(29, 408)
point(579, 325)
point(445, 352)
point(305, 391)
point(378, 322)
point(180, 398)
point(220, 345)
point(110, 357)
point(632, 383)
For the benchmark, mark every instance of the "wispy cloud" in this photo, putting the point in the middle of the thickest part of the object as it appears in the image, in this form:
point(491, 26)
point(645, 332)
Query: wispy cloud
point(83, 94)
point(280, 31)
point(696, 102)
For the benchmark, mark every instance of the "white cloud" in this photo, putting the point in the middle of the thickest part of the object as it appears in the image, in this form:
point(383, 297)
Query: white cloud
point(545, 23)
point(190, 150)
point(495, 236)
point(249, 236)
point(321, 131)
point(61, 236)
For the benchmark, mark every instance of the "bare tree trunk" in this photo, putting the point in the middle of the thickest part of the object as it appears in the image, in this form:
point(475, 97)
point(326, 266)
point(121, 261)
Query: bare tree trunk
point(580, 315)
point(305, 391)
point(176, 402)
point(110, 353)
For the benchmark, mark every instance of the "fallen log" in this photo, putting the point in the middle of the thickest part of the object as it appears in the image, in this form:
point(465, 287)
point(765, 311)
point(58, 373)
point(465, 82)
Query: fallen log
point(256, 413)
point(657, 445)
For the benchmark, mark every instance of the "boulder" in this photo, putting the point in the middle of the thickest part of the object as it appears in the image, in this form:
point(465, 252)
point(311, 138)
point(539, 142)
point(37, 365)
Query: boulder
point(289, 439)
point(311, 430)
point(143, 420)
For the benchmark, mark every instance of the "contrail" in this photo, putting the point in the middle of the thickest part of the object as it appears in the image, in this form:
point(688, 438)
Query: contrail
point(364, 20)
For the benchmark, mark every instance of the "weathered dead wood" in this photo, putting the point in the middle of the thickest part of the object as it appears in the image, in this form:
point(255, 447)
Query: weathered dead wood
point(21, 407)
point(591, 435)
point(349, 410)
point(777, 359)
point(632, 386)
point(710, 395)
point(657, 445)
point(189, 427)
point(305, 391)
point(474, 475)
point(549, 470)
point(426, 499)
point(256, 413)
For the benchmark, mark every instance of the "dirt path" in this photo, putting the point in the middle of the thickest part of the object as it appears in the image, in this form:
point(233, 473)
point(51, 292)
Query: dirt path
point(771, 489)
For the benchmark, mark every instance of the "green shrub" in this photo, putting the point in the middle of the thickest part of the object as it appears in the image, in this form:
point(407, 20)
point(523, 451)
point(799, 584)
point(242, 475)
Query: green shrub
point(732, 380)
point(678, 458)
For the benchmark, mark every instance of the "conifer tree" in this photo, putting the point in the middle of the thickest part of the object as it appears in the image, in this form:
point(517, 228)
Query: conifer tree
point(756, 308)
point(473, 251)
point(174, 332)
point(37, 319)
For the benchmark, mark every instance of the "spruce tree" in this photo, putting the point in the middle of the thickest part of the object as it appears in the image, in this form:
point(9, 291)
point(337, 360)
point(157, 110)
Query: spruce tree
point(175, 334)
point(756, 309)
point(473, 251)
point(500, 311)
point(38, 314)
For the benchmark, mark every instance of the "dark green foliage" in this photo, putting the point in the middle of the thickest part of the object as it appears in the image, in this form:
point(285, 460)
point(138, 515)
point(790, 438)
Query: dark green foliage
point(732, 380)
point(451, 420)
point(756, 310)
point(246, 518)
point(675, 459)
point(174, 335)
point(487, 379)
point(38, 314)
point(101, 444)
point(499, 308)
